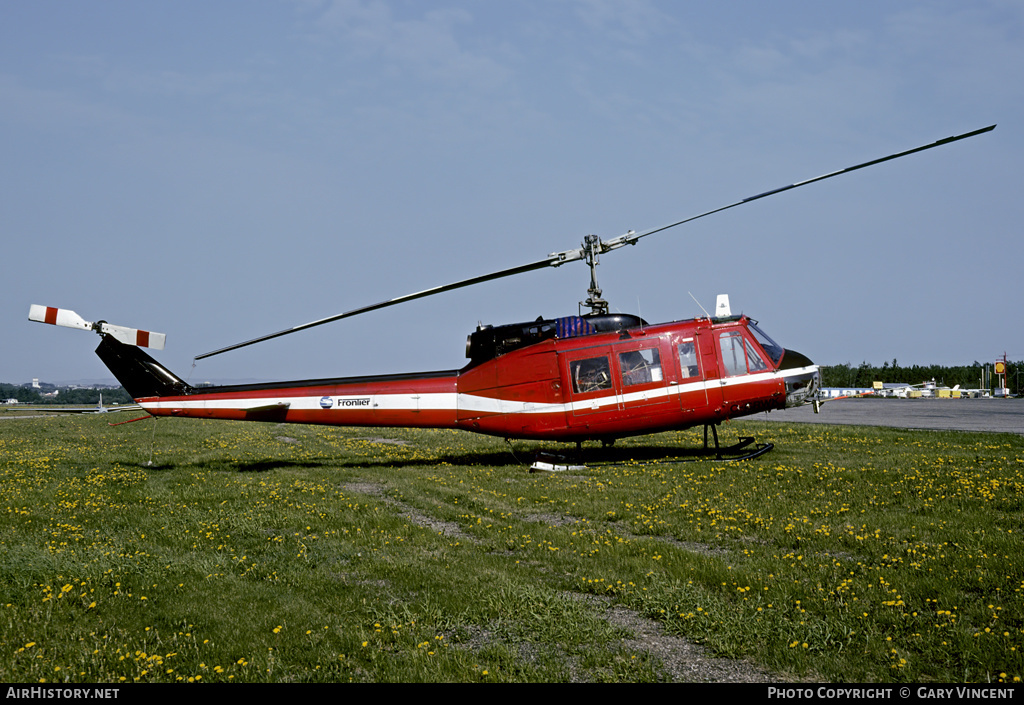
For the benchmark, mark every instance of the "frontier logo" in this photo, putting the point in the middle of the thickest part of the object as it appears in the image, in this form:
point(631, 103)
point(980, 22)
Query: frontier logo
point(354, 401)
point(328, 402)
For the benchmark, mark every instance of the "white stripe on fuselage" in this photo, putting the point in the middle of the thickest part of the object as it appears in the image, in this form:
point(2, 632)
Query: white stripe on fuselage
point(450, 401)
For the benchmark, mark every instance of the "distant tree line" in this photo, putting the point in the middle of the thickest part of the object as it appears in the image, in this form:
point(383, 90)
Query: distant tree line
point(976, 376)
point(24, 395)
point(30, 395)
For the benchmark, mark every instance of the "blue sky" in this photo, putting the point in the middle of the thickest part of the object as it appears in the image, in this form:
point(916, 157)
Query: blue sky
point(220, 170)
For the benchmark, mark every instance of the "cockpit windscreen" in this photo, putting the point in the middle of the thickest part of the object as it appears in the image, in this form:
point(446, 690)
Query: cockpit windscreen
point(773, 349)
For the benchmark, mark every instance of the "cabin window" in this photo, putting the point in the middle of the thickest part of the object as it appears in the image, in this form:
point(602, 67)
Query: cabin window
point(739, 355)
point(590, 375)
point(640, 367)
point(688, 365)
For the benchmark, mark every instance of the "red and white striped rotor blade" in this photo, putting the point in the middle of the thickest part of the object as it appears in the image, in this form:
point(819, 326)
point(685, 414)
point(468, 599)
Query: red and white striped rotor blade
point(57, 317)
point(70, 319)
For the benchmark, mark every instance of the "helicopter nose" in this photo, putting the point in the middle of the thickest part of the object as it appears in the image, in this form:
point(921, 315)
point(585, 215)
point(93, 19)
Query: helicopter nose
point(803, 381)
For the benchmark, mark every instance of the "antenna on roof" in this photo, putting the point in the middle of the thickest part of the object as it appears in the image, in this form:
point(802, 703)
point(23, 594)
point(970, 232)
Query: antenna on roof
point(706, 314)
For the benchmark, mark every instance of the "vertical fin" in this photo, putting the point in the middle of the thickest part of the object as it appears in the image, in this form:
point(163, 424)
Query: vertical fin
point(138, 373)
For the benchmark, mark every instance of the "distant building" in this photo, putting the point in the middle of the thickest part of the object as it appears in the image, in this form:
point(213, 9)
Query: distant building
point(36, 384)
point(925, 390)
point(837, 392)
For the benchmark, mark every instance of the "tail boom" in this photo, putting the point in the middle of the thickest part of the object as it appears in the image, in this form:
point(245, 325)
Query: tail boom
point(427, 401)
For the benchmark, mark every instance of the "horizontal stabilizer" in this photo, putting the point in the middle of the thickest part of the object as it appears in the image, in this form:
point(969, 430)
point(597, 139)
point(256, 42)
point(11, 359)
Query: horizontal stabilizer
point(70, 319)
point(276, 411)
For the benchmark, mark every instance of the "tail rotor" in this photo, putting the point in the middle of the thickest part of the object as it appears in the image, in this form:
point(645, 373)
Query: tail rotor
point(69, 319)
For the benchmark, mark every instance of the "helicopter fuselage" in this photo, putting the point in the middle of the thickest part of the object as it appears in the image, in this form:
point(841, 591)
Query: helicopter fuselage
point(561, 380)
point(598, 376)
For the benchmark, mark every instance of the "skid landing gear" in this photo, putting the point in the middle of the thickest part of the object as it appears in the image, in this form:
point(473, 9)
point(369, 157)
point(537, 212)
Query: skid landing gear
point(549, 462)
point(743, 449)
point(738, 447)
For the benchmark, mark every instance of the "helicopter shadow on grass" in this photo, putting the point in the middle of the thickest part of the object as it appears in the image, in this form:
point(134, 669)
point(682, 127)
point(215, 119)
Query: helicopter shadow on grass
point(524, 457)
point(227, 465)
point(745, 448)
point(595, 456)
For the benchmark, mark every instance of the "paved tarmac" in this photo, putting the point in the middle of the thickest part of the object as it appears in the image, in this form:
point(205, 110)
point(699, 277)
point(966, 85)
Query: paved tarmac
point(997, 415)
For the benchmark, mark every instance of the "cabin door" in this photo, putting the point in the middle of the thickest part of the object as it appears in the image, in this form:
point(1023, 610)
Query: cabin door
point(708, 376)
point(693, 393)
point(646, 377)
point(744, 383)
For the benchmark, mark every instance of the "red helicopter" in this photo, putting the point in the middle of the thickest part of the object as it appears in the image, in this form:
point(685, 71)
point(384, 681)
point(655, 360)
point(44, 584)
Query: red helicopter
point(597, 376)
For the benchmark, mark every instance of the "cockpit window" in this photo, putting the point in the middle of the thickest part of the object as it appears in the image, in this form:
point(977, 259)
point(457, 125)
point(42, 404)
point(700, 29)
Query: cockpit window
point(739, 355)
point(732, 354)
point(755, 363)
point(773, 349)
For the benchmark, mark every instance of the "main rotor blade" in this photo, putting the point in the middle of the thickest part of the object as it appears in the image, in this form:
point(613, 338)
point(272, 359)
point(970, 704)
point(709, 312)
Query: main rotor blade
point(631, 238)
point(391, 302)
point(559, 258)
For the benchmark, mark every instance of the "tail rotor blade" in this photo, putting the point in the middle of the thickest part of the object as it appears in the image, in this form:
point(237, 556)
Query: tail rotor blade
point(57, 317)
point(69, 319)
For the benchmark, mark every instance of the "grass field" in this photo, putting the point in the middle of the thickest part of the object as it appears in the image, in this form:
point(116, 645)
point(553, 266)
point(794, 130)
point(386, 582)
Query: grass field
point(214, 551)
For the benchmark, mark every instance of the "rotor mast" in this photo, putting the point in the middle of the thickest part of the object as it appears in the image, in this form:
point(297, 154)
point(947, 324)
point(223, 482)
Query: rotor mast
point(591, 246)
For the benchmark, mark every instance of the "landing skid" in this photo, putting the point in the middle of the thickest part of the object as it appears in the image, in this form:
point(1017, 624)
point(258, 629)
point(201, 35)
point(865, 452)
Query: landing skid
point(743, 449)
point(550, 462)
point(744, 441)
